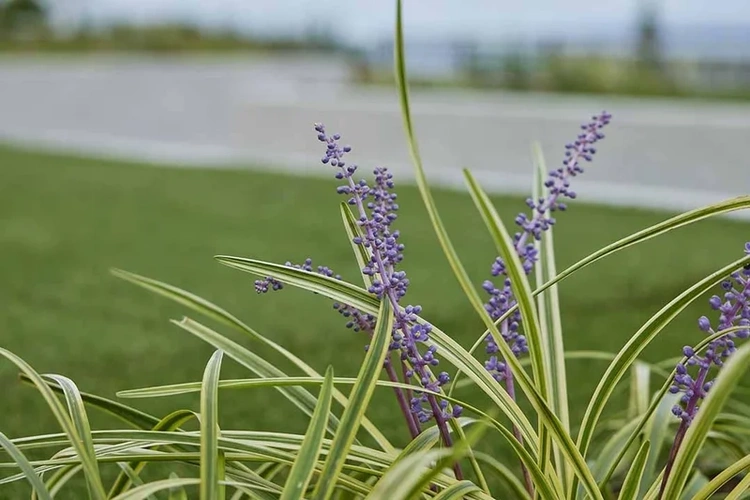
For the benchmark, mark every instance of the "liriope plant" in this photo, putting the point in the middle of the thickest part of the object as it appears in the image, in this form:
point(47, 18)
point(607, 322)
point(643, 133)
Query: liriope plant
point(647, 451)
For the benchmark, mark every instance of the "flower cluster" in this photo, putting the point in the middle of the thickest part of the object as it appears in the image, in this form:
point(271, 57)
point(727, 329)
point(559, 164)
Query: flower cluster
point(734, 310)
point(263, 285)
point(558, 186)
point(501, 299)
point(356, 319)
point(268, 283)
point(376, 207)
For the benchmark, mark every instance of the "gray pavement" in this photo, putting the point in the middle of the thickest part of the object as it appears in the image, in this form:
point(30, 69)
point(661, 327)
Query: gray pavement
point(247, 112)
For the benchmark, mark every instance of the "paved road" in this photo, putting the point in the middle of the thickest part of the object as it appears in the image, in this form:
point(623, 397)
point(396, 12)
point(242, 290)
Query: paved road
point(239, 112)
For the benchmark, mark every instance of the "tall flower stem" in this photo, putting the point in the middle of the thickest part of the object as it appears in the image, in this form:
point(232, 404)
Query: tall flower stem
point(413, 352)
point(404, 371)
point(682, 429)
point(734, 310)
point(509, 382)
point(384, 253)
point(511, 389)
point(502, 299)
point(403, 404)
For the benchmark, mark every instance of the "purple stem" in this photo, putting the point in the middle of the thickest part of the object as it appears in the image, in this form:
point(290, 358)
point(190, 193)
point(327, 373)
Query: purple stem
point(409, 392)
point(411, 422)
point(684, 424)
point(511, 389)
point(413, 351)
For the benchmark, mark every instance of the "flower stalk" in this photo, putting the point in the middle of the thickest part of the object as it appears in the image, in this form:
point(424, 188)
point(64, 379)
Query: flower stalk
point(376, 210)
point(734, 310)
point(390, 284)
point(502, 299)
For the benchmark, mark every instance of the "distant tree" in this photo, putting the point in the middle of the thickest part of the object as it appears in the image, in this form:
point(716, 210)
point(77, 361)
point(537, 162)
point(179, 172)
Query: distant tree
point(22, 17)
point(648, 50)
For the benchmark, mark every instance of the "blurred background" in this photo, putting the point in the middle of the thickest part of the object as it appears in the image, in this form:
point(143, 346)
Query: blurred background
point(198, 82)
point(151, 135)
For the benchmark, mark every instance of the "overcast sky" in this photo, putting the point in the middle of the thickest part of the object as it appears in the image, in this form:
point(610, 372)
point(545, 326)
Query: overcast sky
point(359, 20)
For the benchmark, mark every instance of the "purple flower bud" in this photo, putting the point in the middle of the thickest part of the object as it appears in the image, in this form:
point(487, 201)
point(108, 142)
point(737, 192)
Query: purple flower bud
point(704, 324)
point(743, 334)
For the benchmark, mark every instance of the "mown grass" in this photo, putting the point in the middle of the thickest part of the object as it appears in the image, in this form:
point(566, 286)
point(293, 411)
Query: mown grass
point(64, 221)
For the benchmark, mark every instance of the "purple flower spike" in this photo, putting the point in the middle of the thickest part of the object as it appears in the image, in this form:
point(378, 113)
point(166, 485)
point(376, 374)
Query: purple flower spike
point(734, 310)
point(533, 226)
point(376, 208)
point(558, 185)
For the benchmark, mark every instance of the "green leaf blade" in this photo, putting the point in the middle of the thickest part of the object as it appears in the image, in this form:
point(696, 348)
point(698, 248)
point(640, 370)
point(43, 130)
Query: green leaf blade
point(307, 458)
point(558, 432)
point(299, 397)
point(151, 488)
point(358, 400)
point(77, 411)
point(550, 320)
point(171, 422)
point(210, 489)
point(26, 468)
point(90, 466)
point(633, 478)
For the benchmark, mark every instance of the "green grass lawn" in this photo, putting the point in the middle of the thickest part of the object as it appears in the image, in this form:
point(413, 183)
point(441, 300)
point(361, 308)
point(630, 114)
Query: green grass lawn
point(65, 221)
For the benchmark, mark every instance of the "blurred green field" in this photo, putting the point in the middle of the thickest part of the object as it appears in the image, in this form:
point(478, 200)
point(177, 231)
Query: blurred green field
point(64, 221)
